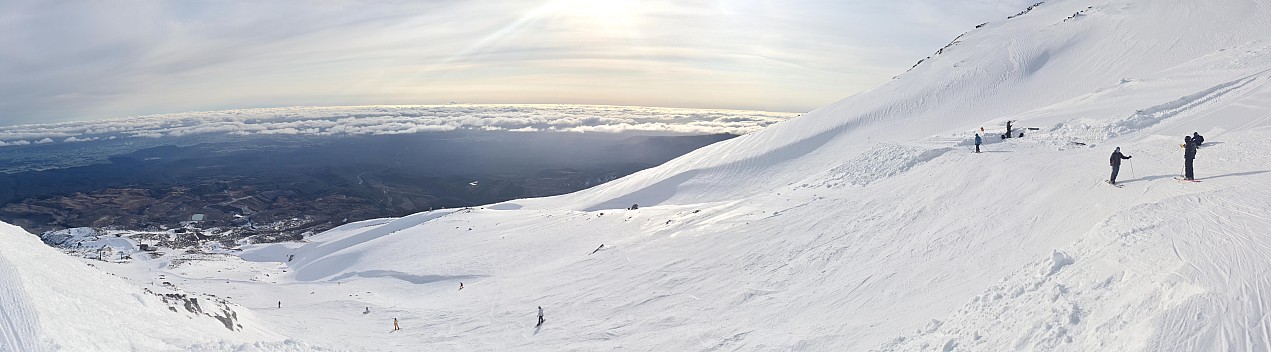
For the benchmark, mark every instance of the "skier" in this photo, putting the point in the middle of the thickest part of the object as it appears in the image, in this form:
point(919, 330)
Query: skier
point(540, 317)
point(1197, 138)
point(1115, 160)
point(1008, 129)
point(367, 311)
point(460, 286)
point(1189, 153)
point(395, 327)
point(279, 304)
point(977, 142)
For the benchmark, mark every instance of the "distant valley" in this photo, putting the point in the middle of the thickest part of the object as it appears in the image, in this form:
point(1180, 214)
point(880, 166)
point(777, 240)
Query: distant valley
point(271, 188)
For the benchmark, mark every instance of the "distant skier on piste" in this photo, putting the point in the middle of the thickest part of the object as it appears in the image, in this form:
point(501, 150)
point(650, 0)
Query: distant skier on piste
point(1189, 153)
point(977, 142)
point(540, 317)
point(1115, 160)
point(1197, 138)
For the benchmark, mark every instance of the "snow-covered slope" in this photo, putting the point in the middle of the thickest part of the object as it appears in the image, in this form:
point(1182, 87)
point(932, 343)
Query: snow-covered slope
point(867, 224)
point(50, 301)
point(1118, 66)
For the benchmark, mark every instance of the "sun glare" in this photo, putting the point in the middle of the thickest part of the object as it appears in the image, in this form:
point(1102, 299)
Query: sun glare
point(602, 15)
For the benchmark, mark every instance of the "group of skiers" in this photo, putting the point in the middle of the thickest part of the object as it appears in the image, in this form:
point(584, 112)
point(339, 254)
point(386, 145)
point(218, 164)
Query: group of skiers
point(1190, 143)
point(1010, 133)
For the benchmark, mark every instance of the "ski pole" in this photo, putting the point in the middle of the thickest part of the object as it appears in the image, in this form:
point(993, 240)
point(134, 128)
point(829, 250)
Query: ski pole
point(1132, 169)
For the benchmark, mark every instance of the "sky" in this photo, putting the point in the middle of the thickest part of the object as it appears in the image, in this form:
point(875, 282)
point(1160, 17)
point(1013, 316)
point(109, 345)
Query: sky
point(90, 60)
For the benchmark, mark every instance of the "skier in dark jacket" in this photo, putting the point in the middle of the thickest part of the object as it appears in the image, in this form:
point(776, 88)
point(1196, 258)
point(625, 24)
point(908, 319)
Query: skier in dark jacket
point(1115, 160)
point(1189, 153)
point(1008, 129)
point(977, 142)
point(1197, 138)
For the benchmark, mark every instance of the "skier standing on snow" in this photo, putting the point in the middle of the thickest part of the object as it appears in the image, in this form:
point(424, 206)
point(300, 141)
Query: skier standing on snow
point(1115, 160)
point(1189, 153)
point(977, 142)
point(1008, 129)
point(540, 317)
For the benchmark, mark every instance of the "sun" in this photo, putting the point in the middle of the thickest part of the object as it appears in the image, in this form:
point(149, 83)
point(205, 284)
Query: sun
point(606, 16)
point(600, 10)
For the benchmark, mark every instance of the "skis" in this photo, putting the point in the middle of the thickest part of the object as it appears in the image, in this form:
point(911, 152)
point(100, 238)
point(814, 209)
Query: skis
point(1113, 184)
point(1180, 178)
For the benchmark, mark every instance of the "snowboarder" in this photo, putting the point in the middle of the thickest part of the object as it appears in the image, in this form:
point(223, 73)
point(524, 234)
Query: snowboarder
point(977, 142)
point(1197, 138)
point(1189, 153)
point(367, 311)
point(461, 286)
point(395, 327)
point(1115, 160)
point(540, 317)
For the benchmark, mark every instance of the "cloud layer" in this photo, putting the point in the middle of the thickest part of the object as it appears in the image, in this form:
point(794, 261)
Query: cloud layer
point(378, 120)
point(82, 60)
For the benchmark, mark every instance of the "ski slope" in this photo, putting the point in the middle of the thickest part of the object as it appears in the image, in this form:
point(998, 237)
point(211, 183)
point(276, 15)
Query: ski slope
point(865, 225)
point(53, 302)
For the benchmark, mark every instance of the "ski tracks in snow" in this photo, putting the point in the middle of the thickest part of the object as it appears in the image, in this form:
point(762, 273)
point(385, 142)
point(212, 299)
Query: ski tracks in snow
point(1184, 274)
point(17, 317)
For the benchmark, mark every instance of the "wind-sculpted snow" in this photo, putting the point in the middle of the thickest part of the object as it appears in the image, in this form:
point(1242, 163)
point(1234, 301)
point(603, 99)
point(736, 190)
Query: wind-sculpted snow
point(881, 161)
point(1151, 116)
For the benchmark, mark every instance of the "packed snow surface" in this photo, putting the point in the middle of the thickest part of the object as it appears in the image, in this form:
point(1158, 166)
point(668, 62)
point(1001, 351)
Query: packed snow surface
point(866, 225)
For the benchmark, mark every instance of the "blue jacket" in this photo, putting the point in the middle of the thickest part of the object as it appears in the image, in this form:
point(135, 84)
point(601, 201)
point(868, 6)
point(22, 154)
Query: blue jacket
point(977, 138)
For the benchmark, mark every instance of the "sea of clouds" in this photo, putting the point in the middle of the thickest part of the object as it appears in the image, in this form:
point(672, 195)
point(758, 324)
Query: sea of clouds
point(399, 119)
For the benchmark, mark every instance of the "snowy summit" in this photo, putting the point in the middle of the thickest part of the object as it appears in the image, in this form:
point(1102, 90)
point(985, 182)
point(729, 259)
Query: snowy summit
point(869, 224)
